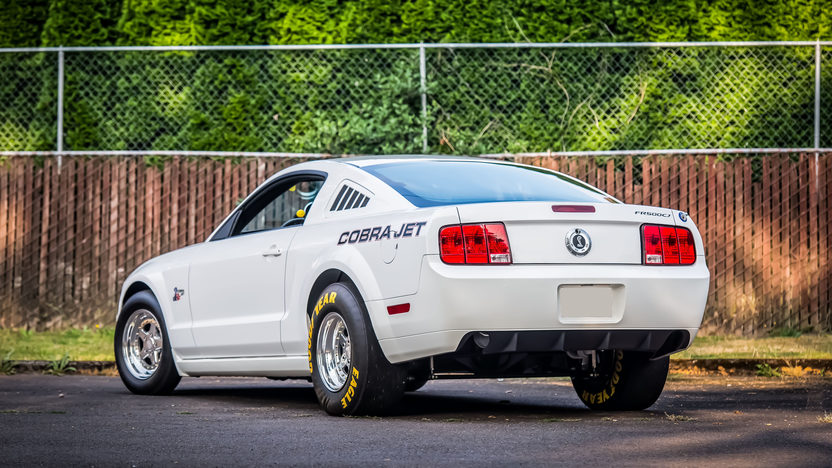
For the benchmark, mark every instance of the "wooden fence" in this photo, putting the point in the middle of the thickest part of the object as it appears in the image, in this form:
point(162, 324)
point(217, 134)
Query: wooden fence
point(68, 239)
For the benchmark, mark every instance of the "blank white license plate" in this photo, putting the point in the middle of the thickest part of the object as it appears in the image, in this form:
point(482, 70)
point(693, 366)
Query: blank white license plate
point(590, 303)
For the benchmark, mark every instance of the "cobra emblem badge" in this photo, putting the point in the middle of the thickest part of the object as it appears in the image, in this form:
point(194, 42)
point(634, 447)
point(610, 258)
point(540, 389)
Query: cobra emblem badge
point(578, 242)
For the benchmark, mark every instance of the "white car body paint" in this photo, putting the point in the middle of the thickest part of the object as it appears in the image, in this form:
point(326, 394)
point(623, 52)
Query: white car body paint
point(245, 306)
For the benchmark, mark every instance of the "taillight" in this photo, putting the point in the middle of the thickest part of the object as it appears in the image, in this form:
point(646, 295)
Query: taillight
point(451, 248)
point(687, 251)
point(474, 244)
point(475, 248)
point(667, 245)
point(652, 241)
point(497, 240)
point(670, 245)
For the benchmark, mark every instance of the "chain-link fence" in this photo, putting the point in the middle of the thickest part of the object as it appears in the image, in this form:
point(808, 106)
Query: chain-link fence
point(531, 100)
point(412, 98)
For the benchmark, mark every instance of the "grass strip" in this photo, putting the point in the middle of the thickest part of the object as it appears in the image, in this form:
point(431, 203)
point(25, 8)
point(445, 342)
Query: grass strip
point(805, 346)
point(96, 344)
point(86, 344)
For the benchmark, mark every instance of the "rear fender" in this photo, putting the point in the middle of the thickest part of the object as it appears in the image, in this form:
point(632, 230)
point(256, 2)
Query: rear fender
point(295, 325)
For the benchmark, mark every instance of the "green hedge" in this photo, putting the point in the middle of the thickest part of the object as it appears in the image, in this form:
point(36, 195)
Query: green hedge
point(293, 101)
point(479, 101)
point(188, 22)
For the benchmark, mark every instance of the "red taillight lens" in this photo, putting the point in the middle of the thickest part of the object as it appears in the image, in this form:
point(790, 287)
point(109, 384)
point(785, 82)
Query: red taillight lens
point(670, 245)
point(475, 248)
point(451, 247)
point(497, 243)
point(573, 208)
point(687, 251)
point(474, 244)
point(652, 245)
point(667, 245)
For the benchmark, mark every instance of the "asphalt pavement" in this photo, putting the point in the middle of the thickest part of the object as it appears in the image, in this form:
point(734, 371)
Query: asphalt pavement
point(94, 421)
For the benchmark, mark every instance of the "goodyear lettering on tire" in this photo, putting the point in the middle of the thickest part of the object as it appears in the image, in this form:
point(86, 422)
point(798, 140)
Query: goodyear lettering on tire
point(609, 389)
point(322, 301)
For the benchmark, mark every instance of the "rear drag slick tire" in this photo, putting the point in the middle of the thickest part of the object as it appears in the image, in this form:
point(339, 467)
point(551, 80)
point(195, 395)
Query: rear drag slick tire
point(350, 373)
point(626, 381)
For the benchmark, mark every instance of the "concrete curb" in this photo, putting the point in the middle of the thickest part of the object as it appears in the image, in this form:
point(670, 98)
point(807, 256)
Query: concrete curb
point(41, 366)
point(730, 366)
point(745, 366)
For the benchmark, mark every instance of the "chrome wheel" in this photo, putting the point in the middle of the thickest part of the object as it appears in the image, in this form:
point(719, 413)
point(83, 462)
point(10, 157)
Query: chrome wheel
point(141, 344)
point(333, 352)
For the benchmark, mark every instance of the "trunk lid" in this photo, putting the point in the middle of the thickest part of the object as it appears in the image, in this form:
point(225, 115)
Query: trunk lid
point(538, 235)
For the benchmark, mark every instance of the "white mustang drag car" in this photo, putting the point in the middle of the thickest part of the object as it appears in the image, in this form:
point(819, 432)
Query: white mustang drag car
point(372, 276)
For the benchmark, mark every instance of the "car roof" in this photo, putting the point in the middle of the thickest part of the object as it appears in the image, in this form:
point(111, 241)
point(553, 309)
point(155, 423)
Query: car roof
point(365, 161)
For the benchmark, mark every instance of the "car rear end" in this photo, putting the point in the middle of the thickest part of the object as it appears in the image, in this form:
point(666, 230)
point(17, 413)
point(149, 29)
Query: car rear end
point(576, 272)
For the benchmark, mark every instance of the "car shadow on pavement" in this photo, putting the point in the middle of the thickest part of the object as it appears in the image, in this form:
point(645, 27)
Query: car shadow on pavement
point(424, 403)
point(300, 395)
point(540, 404)
point(427, 404)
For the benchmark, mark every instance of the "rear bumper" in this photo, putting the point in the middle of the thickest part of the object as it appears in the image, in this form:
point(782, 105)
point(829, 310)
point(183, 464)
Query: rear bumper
point(654, 342)
point(455, 300)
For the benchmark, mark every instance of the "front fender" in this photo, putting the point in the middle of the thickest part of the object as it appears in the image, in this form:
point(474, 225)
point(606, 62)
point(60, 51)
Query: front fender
point(176, 314)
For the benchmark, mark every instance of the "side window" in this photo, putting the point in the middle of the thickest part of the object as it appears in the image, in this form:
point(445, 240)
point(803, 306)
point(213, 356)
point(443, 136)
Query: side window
point(286, 205)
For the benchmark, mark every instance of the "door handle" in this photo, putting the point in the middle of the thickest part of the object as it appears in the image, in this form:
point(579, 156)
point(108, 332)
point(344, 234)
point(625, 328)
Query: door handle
point(273, 251)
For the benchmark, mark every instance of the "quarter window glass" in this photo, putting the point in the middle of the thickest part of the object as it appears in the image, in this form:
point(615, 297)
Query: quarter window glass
point(289, 208)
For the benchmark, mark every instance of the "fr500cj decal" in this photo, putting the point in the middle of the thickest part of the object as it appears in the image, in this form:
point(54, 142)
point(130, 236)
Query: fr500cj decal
point(381, 232)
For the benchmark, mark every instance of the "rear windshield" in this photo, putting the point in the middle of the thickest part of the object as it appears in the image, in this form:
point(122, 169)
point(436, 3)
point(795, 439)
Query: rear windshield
point(435, 183)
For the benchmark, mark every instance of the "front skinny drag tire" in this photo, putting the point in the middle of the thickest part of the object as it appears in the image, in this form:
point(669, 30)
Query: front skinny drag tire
point(142, 347)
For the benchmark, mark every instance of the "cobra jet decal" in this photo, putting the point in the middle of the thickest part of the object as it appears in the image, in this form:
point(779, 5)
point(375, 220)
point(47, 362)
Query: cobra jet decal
point(381, 232)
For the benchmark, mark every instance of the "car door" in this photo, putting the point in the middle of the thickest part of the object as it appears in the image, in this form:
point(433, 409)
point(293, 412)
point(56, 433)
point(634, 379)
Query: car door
point(237, 284)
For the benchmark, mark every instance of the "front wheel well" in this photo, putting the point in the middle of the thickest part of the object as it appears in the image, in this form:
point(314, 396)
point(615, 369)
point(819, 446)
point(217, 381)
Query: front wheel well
point(132, 290)
point(325, 279)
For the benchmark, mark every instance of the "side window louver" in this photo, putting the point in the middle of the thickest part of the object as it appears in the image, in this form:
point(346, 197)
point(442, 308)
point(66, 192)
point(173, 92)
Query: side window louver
point(349, 198)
